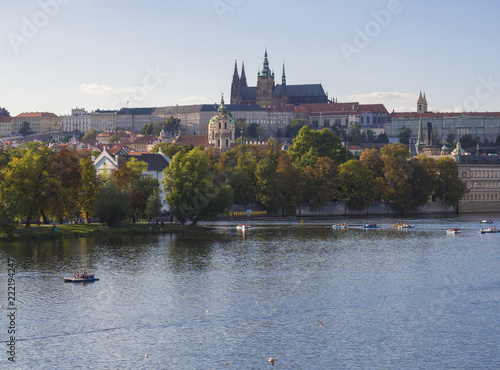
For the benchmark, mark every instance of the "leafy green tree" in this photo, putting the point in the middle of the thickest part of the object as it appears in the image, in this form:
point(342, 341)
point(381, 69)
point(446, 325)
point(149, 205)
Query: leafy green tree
point(268, 191)
point(170, 149)
point(243, 180)
point(356, 184)
point(112, 205)
point(404, 135)
point(324, 144)
point(153, 205)
point(30, 182)
point(382, 139)
point(448, 184)
point(7, 219)
point(25, 128)
point(255, 130)
point(114, 138)
point(241, 128)
point(357, 137)
point(372, 160)
point(91, 135)
point(467, 141)
point(370, 136)
point(292, 130)
point(450, 140)
point(172, 125)
point(288, 177)
point(87, 193)
point(195, 191)
point(320, 182)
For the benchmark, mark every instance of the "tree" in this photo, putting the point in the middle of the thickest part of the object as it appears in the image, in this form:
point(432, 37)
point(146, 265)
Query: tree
point(240, 128)
point(294, 127)
point(170, 149)
point(356, 184)
point(320, 182)
point(25, 128)
point(404, 135)
point(467, 141)
point(172, 125)
point(195, 191)
point(268, 192)
point(357, 137)
point(288, 177)
point(153, 205)
point(372, 160)
point(255, 130)
point(112, 205)
point(382, 139)
point(7, 219)
point(450, 140)
point(91, 135)
point(497, 141)
point(114, 138)
point(243, 180)
point(448, 184)
point(30, 183)
point(324, 144)
point(88, 188)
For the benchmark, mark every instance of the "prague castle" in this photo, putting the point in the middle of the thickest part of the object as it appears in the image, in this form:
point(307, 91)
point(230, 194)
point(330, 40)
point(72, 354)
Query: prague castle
point(268, 94)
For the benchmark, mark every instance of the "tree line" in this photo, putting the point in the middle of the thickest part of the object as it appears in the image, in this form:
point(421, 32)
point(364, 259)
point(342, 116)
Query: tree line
point(316, 169)
point(38, 183)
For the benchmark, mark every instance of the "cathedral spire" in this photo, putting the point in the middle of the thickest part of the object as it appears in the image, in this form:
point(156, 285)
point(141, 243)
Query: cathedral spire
point(265, 68)
point(283, 77)
point(243, 79)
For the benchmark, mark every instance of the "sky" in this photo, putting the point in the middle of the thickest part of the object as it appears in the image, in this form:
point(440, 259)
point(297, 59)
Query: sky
point(106, 54)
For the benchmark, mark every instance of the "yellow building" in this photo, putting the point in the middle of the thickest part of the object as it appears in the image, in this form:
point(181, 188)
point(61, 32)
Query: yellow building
point(40, 122)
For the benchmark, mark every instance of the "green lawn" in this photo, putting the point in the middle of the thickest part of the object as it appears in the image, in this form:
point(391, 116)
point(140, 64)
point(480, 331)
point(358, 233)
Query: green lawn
point(43, 232)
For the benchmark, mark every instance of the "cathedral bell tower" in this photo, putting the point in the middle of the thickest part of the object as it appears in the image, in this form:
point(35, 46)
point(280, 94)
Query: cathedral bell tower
point(422, 103)
point(265, 85)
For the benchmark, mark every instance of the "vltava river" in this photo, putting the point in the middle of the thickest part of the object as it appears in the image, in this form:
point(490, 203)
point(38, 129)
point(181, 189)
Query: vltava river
point(308, 295)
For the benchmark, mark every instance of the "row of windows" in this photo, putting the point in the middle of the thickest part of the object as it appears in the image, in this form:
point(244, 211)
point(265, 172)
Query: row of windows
point(485, 173)
point(485, 185)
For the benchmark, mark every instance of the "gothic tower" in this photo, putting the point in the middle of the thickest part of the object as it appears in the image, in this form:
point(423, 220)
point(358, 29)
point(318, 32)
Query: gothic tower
point(243, 79)
point(265, 85)
point(422, 103)
point(236, 86)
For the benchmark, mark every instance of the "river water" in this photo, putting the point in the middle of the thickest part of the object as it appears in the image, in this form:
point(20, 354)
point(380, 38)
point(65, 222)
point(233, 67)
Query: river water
point(311, 296)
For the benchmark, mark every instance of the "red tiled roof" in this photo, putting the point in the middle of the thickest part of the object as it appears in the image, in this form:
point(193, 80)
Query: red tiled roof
point(5, 119)
point(373, 108)
point(194, 140)
point(37, 114)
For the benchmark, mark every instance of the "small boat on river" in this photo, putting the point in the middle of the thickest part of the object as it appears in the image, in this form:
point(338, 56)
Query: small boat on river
point(371, 226)
point(341, 225)
point(80, 277)
point(488, 230)
point(405, 226)
point(487, 221)
point(453, 230)
point(242, 227)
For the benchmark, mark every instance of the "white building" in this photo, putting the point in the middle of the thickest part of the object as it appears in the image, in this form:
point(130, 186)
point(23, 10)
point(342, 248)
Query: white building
point(78, 121)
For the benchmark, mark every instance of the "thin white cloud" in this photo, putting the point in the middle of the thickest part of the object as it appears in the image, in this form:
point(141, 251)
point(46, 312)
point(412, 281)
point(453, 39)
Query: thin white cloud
point(94, 89)
point(191, 99)
point(399, 102)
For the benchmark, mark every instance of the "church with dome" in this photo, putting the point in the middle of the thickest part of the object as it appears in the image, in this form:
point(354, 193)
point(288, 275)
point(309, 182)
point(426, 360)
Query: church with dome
point(221, 129)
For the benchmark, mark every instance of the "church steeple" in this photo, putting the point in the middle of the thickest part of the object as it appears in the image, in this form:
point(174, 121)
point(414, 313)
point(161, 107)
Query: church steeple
point(283, 77)
point(421, 103)
point(222, 107)
point(266, 72)
point(236, 86)
point(243, 79)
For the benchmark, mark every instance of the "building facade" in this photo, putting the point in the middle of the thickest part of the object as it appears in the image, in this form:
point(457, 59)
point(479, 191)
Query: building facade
point(40, 122)
point(268, 94)
point(133, 119)
point(481, 175)
point(103, 120)
point(78, 121)
point(484, 125)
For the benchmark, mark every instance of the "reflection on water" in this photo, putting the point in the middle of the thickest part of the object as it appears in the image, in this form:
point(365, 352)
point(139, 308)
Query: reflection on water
point(312, 296)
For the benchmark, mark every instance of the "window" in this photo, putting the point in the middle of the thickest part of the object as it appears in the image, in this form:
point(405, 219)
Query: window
point(227, 142)
point(326, 123)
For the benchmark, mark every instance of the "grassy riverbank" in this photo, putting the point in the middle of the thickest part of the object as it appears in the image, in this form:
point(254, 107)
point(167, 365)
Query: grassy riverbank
point(45, 232)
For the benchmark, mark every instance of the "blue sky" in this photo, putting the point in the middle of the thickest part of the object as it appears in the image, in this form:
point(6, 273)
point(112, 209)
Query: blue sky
point(61, 54)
